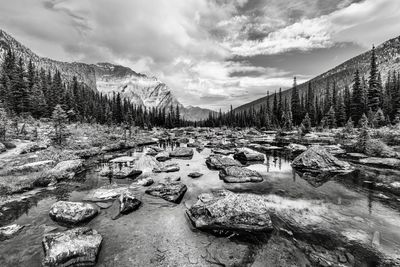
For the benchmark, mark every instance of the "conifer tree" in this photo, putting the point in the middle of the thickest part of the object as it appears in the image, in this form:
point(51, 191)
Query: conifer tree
point(357, 105)
point(59, 120)
point(295, 104)
point(373, 85)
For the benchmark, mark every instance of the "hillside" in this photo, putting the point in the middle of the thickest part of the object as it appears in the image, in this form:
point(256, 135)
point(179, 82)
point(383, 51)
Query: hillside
point(388, 58)
point(107, 78)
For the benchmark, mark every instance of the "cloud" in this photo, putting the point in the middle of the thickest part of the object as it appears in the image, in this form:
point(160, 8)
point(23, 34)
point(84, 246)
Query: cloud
point(363, 23)
point(193, 45)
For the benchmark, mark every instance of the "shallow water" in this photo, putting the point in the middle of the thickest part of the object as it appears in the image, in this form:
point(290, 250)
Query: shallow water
point(159, 233)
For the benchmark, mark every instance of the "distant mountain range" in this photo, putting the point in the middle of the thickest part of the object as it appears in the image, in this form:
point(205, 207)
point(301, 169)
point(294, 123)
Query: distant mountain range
point(107, 78)
point(388, 58)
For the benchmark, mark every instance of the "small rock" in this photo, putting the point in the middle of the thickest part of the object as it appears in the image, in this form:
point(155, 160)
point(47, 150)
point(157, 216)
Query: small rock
point(7, 232)
point(145, 181)
point(195, 174)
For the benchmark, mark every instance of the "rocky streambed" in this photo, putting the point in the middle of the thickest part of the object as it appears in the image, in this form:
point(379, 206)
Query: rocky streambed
point(200, 207)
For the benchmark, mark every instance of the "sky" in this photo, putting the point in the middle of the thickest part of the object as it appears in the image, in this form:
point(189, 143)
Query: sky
point(211, 53)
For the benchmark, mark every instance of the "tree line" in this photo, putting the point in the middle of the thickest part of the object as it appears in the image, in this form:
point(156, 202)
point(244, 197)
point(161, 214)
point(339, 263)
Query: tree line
point(335, 107)
point(29, 91)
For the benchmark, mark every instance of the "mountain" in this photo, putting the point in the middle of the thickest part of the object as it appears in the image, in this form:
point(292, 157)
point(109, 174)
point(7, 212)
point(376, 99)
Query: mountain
point(388, 59)
point(107, 78)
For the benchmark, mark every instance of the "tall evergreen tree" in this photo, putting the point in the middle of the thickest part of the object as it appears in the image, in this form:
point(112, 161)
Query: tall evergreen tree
point(295, 104)
point(373, 85)
point(357, 105)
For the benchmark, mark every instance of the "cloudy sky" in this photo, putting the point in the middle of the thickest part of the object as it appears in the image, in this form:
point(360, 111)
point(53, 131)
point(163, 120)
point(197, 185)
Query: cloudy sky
point(212, 53)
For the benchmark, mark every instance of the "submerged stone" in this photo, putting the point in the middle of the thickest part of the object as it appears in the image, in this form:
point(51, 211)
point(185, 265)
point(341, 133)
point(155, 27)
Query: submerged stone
point(76, 247)
point(105, 193)
point(9, 231)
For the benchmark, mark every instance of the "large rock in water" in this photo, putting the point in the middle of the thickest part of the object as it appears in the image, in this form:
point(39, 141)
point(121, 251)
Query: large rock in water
point(224, 210)
point(65, 169)
point(125, 172)
point(218, 162)
point(245, 154)
point(76, 247)
point(181, 152)
point(317, 159)
point(167, 168)
point(163, 156)
point(172, 191)
point(235, 174)
point(67, 212)
point(128, 202)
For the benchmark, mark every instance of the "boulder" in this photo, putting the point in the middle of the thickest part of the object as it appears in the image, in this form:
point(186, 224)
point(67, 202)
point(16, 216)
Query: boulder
point(9, 231)
point(154, 150)
point(163, 156)
point(217, 162)
point(245, 154)
point(125, 172)
point(195, 174)
point(292, 147)
point(195, 144)
point(128, 203)
point(224, 210)
point(169, 190)
point(167, 168)
point(65, 169)
point(181, 152)
point(75, 247)
point(235, 174)
point(67, 212)
point(145, 181)
point(317, 159)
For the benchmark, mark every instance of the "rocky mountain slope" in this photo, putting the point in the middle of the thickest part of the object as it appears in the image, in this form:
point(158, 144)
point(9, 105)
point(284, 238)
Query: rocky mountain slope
point(107, 79)
point(388, 58)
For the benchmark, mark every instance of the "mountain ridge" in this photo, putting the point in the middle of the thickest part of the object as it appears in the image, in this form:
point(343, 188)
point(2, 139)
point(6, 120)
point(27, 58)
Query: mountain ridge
point(106, 78)
point(388, 59)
